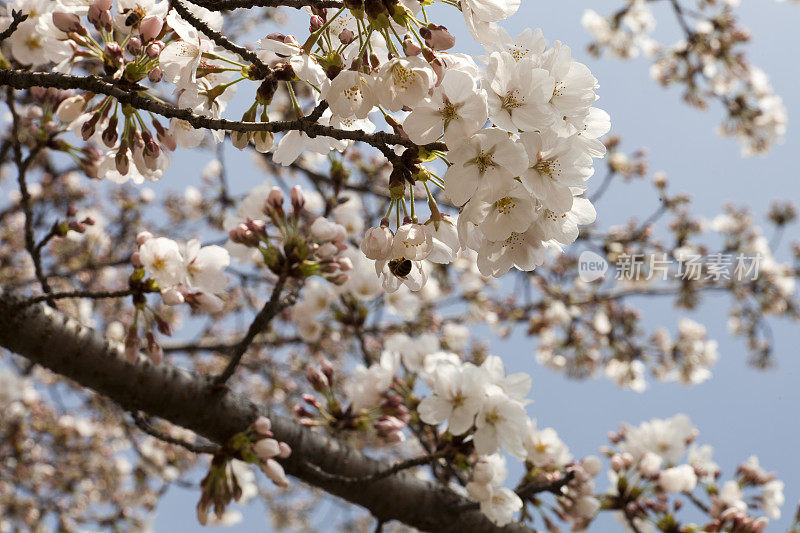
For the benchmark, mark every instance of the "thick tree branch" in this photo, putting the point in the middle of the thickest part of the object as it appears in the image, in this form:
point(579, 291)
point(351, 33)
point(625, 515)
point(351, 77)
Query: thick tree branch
point(21, 79)
point(51, 339)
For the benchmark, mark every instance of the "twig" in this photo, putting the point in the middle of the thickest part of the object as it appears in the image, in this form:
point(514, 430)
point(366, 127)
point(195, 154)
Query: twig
point(18, 17)
point(260, 322)
point(262, 70)
point(20, 79)
point(550, 486)
point(25, 196)
point(142, 423)
point(399, 467)
point(695, 500)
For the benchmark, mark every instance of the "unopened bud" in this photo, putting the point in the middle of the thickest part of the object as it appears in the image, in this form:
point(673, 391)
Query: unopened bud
point(150, 27)
point(67, 22)
point(134, 46)
point(155, 75)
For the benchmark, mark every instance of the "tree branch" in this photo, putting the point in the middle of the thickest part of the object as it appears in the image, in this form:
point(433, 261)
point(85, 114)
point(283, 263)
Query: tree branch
point(20, 79)
point(47, 337)
point(18, 17)
point(224, 5)
point(222, 41)
point(259, 324)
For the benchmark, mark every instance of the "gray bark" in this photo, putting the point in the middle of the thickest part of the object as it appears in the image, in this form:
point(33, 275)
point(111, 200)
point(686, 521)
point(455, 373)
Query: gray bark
point(59, 343)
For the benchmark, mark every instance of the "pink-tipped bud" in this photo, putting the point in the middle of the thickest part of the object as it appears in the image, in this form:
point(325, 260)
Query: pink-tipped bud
point(67, 22)
point(298, 200)
point(122, 161)
point(134, 46)
point(327, 369)
point(150, 28)
point(318, 382)
point(88, 128)
point(437, 37)
point(154, 49)
point(136, 260)
point(155, 75)
point(172, 297)
point(315, 23)
point(262, 425)
point(275, 472)
point(142, 237)
point(274, 200)
point(410, 48)
point(103, 4)
point(266, 449)
point(285, 450)
point(110, 134)
point(347, 37)
point(113, 52)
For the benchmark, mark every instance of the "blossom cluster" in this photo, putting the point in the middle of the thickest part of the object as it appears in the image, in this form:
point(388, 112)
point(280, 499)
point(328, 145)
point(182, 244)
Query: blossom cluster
point(660, 458)
point(516, 128)
point(707, 61)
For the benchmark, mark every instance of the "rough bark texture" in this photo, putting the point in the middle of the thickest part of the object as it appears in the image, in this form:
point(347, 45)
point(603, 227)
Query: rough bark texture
point(55, 341)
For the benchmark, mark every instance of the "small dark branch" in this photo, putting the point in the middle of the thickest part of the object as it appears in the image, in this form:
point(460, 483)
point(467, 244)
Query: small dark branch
point(18, 17)
point(259, 324)
point(695, 500)
point(143, 424)
point(223, 5)
point(530, 489)
point(221, 40)
point(50, 235)
point(399, 467)
point(25, 196)
point(95, 295)
point(678, 9)
point(318, 111)
point(603, 187)
point(20, 79)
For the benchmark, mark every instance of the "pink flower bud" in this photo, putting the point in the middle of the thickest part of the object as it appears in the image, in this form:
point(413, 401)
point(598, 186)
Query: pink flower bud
point(347, 37)
point(155, 75)
point(136, 260)
point(71, 108)
point(123, 164)
point(154, 49)
point(298, 200)
point(262, 425)
point(103, 4)
point(134, 46)
point(437, 37)
point(274, 471)
point(150, 27)
point(274, 199)
point(266, 449)
point(67, 22)
point(316, 23)
point(285, 450)
point(142, 237)
point(172, 297)
point(345, 264)
point(410, 48)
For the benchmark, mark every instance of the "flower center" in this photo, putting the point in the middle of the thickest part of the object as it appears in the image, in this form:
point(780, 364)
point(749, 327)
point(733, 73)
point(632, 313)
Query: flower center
point(506, 205)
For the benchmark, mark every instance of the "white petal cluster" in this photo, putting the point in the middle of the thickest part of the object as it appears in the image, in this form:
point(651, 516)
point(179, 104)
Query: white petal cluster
point(481, 400)
point(191, 273)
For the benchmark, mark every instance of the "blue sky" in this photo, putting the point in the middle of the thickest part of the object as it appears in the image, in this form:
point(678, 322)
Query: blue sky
point(740, 411)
